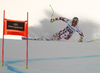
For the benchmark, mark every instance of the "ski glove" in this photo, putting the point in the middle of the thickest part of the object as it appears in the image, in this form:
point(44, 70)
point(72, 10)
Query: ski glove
point(80, 40)
point(52, 20)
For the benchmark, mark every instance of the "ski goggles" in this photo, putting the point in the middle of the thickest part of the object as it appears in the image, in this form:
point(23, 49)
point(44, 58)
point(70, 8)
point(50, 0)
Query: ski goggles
point(75, 20)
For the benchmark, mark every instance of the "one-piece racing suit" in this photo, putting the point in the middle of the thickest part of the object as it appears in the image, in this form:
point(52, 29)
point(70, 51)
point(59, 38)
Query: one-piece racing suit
point(67, 32)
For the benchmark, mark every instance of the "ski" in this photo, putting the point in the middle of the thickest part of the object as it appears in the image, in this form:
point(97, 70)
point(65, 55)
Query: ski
point(91, 41)
point(39, 39)
point(50, 39)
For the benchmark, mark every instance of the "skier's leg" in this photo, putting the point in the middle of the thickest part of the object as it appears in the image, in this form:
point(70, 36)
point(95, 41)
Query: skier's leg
point(61, 34)
point(60, 37)
point(58, 33)
point(67, 36)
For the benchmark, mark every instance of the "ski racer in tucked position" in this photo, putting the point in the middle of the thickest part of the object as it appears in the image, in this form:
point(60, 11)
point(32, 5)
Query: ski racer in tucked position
point(70, 29)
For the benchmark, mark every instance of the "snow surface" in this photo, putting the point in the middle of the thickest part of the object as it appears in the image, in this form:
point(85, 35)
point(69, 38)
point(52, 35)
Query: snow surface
point(51, 57)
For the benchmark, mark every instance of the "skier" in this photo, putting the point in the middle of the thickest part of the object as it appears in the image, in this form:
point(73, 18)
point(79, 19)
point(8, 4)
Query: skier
point(71, 28)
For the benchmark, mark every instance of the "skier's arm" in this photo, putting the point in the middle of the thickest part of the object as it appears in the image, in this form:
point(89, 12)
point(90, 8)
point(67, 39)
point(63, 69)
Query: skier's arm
point(81, 37)
point(60, 18)
point(81, 34)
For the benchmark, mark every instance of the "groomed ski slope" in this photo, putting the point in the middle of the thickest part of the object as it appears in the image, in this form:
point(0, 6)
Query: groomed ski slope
point(51, 57)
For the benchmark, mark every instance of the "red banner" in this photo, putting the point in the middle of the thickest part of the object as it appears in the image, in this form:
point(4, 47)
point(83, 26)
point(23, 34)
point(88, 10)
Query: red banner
point(14, 27)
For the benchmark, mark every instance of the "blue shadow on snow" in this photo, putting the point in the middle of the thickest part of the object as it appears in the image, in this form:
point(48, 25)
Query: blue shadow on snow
point(11, 68)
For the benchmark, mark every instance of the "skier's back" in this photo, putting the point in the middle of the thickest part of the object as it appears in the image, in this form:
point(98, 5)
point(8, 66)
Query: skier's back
point(70, 29)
